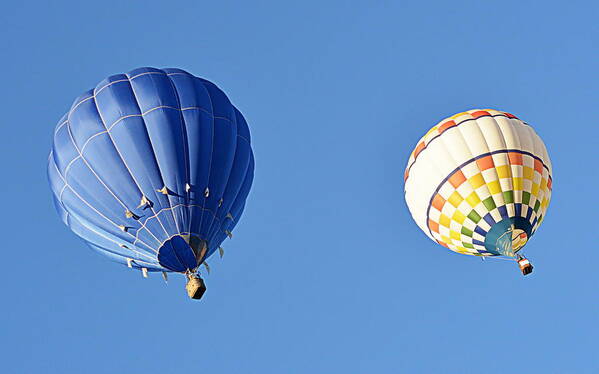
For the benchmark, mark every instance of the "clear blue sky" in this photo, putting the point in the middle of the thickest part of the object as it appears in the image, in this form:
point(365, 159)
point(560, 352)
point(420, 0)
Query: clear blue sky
point(327, 273)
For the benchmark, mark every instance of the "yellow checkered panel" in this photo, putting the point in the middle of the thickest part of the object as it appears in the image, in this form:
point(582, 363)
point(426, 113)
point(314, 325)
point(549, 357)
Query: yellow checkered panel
point(488, 189)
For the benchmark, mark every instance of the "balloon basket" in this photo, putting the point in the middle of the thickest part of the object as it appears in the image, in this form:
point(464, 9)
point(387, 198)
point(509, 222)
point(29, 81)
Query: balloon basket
point(195, 287)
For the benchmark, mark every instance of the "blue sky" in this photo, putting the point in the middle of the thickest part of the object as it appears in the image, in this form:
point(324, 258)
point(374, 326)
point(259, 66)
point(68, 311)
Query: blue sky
point(327, 272)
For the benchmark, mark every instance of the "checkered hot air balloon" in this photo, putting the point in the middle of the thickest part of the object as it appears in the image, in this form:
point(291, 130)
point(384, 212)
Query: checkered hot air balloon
point(479, 183)
point(152, 168)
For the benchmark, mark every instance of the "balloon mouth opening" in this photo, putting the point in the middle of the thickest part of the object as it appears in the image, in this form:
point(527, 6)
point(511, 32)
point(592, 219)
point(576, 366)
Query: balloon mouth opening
point(519, 239)
point(181, 253)
point(508, 236)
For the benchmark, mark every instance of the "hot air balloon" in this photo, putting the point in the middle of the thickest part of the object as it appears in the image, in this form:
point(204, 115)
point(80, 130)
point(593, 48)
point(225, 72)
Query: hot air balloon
point(479, 183)
point(152, 168)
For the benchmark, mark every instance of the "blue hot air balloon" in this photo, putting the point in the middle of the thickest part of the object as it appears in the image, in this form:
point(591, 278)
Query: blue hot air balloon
point(152, 168)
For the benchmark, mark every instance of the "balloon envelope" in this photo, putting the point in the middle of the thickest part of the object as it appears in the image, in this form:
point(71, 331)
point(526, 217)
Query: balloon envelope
point(152, 168)
point(479, 183)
